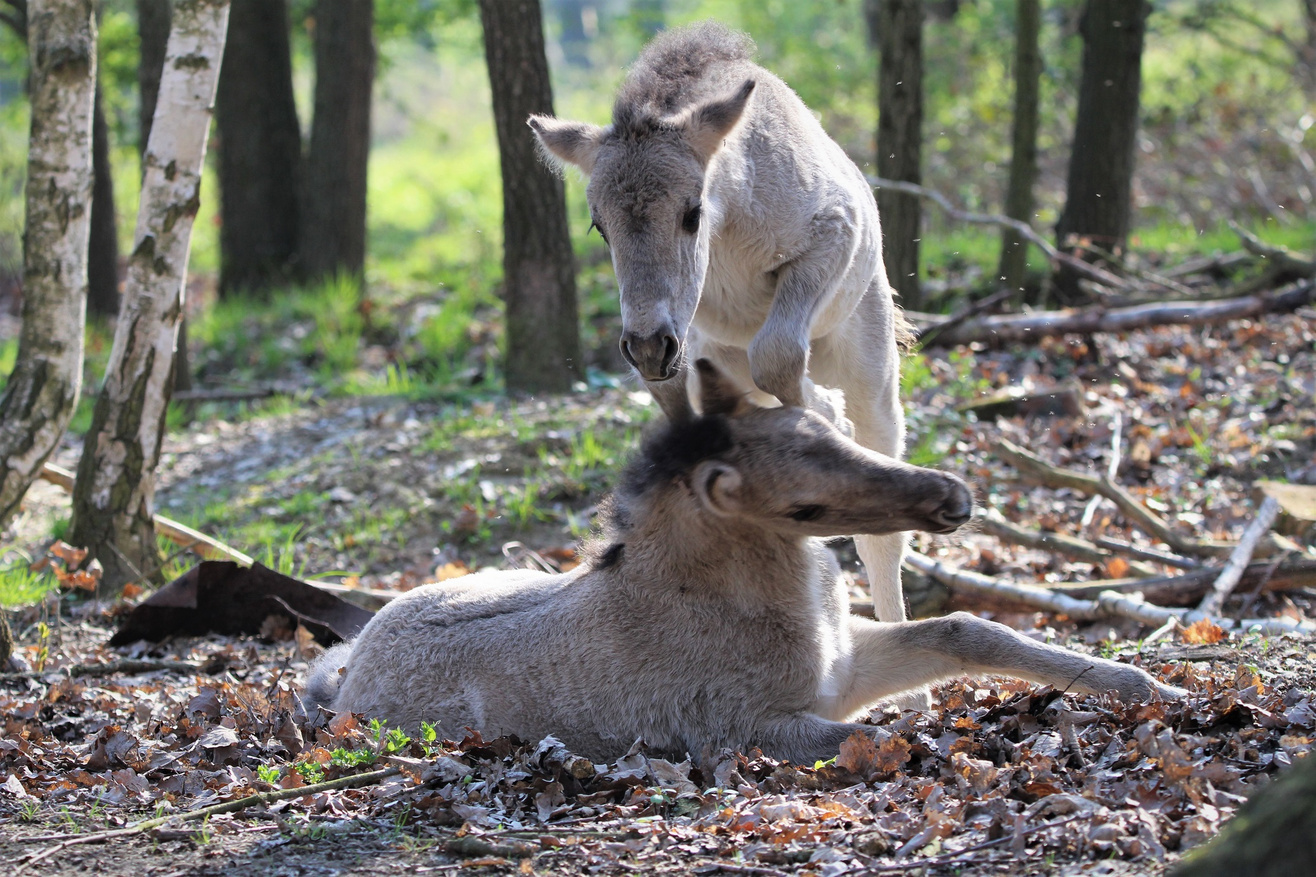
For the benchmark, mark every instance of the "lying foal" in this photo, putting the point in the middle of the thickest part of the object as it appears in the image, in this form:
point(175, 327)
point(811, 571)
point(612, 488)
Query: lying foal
point(711, 614)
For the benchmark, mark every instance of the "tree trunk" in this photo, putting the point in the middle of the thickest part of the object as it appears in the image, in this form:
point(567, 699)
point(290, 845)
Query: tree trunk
point(153, 33)
point(103, 248)
point(539, 273)
point(900, 140)
point(1101, 163)
point(1023, 150)
point(115, 485)
point(259, 151)
point(1272, 835)
point(43, 389)
point(334, 205)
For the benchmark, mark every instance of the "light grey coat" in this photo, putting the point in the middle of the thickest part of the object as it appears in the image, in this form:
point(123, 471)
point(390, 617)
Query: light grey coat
point(741, 233)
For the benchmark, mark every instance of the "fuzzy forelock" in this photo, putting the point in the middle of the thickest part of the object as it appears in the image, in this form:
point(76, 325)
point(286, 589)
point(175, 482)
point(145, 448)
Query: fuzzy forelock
point(668, 452)
point(670, 68)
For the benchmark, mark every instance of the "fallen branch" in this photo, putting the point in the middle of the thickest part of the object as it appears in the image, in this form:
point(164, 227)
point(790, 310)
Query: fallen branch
point(1279, 258)
point(1023, 229)
point(1011, 328)
point(350, 782)
point(1187, 588)
point(223, 395)
point(929, 335)
point(1033, 467)
point(1070, 546)
point(1214, 601)
point(180, 534)
point(1121, 547)
point(1108, 604)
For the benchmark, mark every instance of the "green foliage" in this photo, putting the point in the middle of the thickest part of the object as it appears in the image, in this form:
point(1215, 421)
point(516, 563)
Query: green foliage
point(21, 586)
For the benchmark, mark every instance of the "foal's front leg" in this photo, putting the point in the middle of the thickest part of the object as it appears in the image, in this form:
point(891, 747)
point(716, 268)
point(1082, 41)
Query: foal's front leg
point(890, 658)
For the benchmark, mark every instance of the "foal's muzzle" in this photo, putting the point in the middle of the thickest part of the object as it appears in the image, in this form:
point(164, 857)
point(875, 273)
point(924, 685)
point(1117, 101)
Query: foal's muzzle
point(653, 356)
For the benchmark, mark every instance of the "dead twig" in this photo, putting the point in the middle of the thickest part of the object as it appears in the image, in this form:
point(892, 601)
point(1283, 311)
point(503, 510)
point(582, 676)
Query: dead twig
point(1229, 578)
point(958, 856)
point(927, 336)
point(1121, 547)
point(1070, 546)
point(350, 782)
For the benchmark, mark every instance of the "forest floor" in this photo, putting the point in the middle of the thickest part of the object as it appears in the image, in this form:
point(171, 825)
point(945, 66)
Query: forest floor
point(1001, 777)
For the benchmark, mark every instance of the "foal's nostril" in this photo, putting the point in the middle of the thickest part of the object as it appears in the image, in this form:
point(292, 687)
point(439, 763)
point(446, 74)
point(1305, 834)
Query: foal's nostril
point(953, 518)
point(671, 347)
point(626, 352)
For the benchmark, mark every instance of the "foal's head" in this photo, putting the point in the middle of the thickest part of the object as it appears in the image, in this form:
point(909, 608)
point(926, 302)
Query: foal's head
point(646, 197)
point(789, 471)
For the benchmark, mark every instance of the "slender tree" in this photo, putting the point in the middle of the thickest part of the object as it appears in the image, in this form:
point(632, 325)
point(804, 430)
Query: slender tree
point(260, 148)
point(899, 25)
point(1097, 194)
point(334, 198)
point(539, 273)
point(1023, 154)
point(103, 245)
point(43, 389)
point(153, 36)
point(115, 486)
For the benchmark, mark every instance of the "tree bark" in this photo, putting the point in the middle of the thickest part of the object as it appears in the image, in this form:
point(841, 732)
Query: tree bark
point(900, 140)
point(43, 389)
point(334, 205)
point(153, 34)
point(539, 274)
point(259, 151)
point(115, 486)
point(1023, 150)
point(103, 247)
point(1097, 195)
point(1272, 835)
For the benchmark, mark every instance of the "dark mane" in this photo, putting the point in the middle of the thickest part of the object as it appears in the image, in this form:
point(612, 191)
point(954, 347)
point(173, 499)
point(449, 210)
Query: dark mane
point(672, 450)
point(671, 70)
point(666, 453)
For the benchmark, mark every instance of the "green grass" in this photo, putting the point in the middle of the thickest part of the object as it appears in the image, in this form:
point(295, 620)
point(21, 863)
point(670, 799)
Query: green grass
point(20, 586)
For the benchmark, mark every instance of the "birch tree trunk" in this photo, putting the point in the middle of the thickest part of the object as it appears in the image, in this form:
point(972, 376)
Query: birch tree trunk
point(47, 378)
point(115, 486)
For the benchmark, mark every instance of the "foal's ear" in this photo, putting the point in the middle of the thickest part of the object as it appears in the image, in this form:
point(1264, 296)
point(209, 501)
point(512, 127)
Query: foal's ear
point(717, 394)
point(562, 142)
point(708, 124)
point(717, 485)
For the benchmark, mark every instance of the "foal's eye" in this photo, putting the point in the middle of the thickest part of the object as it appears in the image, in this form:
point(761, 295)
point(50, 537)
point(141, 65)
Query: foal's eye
point(691, 220)
point(808, 513)
point(594, 226)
